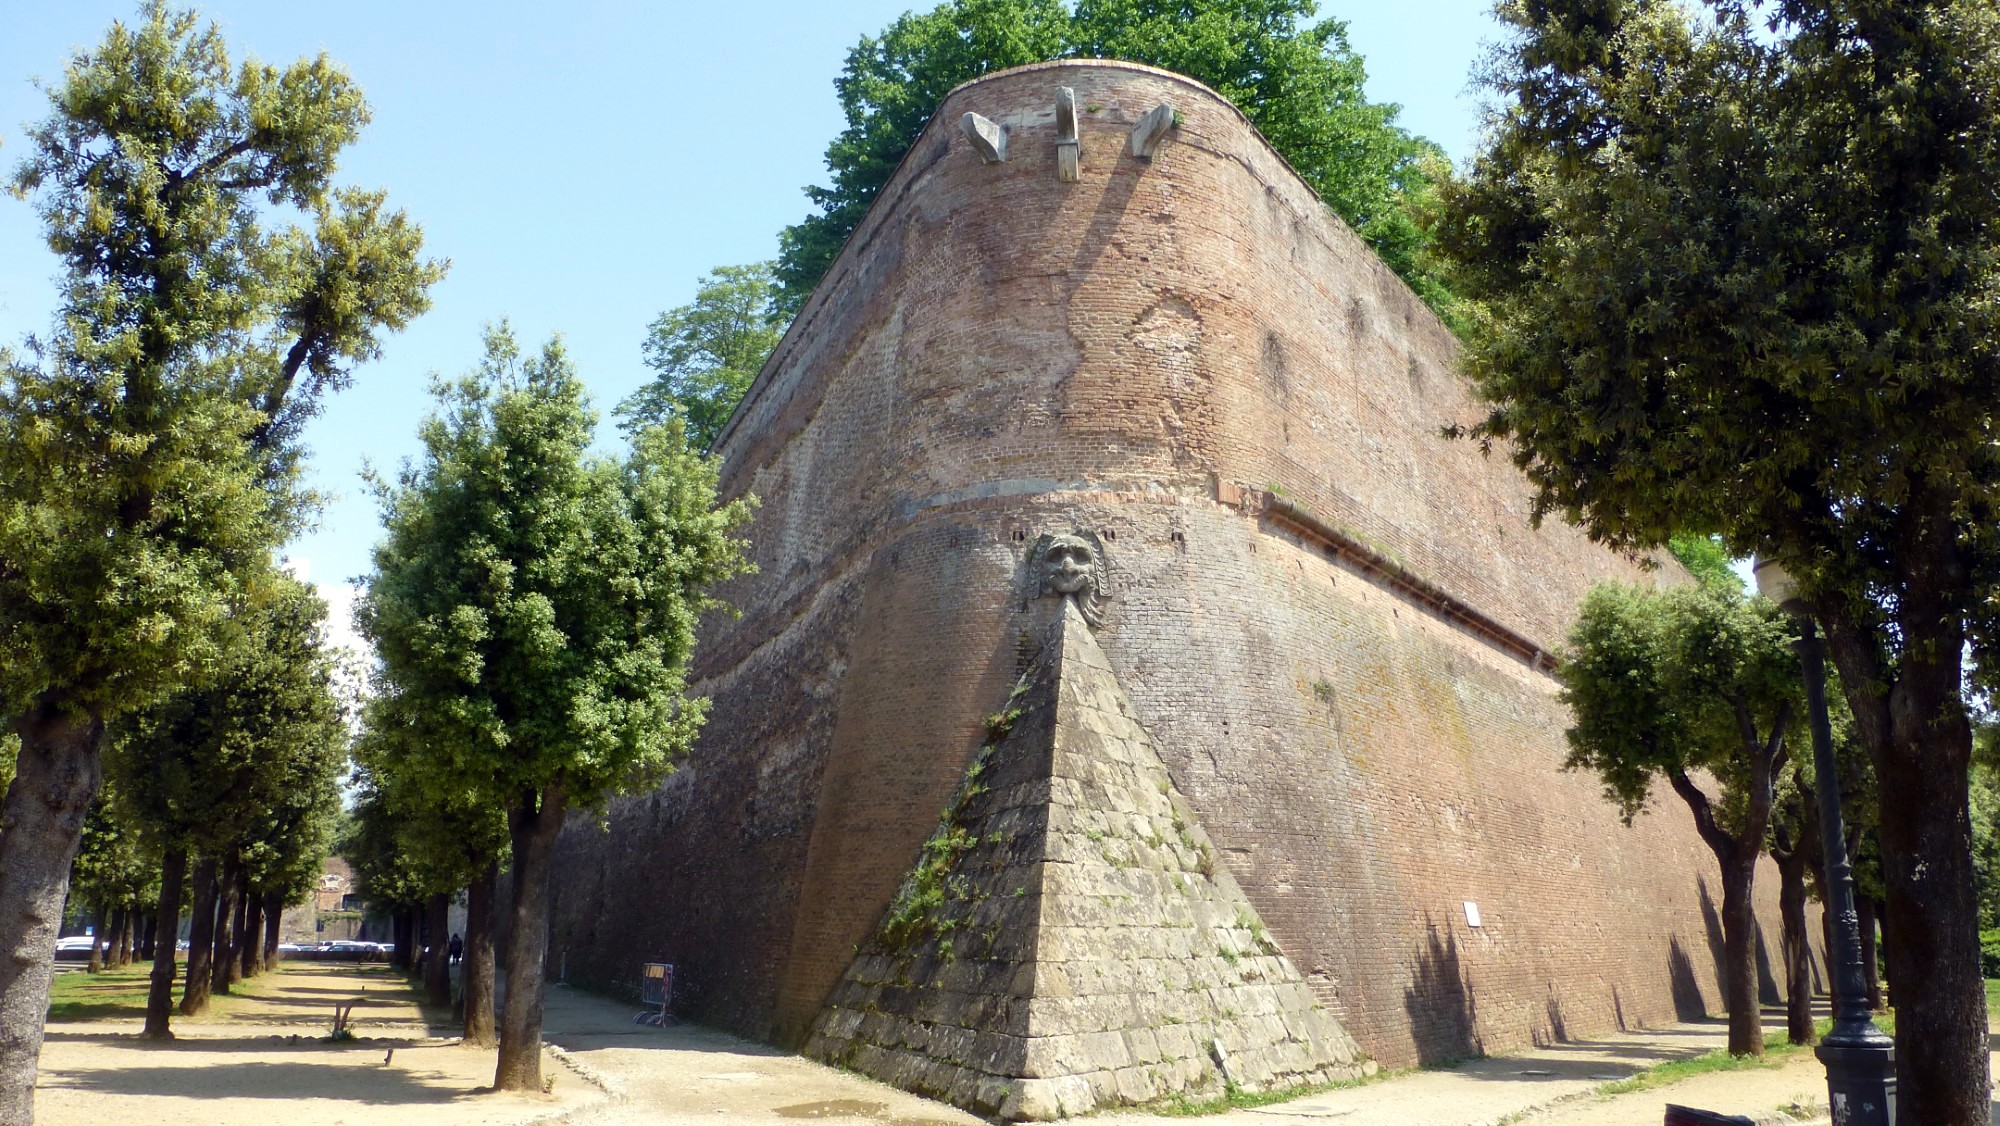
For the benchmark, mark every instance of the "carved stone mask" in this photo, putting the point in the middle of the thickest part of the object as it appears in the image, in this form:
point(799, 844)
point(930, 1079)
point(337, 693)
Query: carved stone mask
point(1072, 566)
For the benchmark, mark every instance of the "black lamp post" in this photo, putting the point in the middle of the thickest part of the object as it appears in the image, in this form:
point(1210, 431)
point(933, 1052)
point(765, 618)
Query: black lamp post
point(1860, 1061)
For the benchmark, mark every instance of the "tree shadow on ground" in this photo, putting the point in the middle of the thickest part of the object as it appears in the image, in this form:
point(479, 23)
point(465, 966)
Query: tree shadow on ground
point(1444, 1017)
point(306, 1041)
point(260, 1080)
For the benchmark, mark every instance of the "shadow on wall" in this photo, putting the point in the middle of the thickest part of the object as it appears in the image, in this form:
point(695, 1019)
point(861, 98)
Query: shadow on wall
point(1556, 1031)
point(1768, 991)
point(1718, 947)
point(1444, 1023)
point(1686, 984)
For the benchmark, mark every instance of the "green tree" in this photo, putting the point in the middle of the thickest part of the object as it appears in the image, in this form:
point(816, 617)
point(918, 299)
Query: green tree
point(242, 771)
point(707, 352)
point(1670, 685)
point(147, 453)
point(447, 835)
point(1732, 272)
point(536, 607)
point(1297, 80)
point(386, 876)
point(114, 870)
point(1985, 806)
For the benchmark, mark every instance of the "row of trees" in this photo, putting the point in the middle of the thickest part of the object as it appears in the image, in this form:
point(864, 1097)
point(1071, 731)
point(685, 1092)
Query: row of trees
point(533, 607)
point(1728, 269)
point(236, 778)
point(1698, 688)
point(216, 285)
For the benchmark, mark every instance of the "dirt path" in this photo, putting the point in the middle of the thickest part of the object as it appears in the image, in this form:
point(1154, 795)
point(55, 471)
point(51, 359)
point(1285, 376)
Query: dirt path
point(242, 1068)
point(687, 1074)
point(260, 1060)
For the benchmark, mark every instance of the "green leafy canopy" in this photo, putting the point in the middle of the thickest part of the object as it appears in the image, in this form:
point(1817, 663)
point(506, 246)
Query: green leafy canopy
point(535, 606)
point(248, 763)
point(148, 453)
point(1663, 682)
point(1297, 80)
point(1735, 272)
point(707, 352)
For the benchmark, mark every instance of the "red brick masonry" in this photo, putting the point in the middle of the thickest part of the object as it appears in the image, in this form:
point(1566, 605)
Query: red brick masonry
point(1332, 621)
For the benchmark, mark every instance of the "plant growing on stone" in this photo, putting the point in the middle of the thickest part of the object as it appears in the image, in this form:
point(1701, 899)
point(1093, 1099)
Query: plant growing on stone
point(1732, 270)
point(148, 443)
point(1677, 685)
point(536, 605)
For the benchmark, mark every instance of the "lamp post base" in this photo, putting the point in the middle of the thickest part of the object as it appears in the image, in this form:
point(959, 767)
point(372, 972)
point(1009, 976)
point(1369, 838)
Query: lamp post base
point(1860, 1078)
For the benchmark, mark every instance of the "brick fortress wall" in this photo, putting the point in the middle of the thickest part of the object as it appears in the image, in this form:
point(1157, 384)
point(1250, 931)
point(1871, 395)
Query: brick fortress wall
point(1327, 616)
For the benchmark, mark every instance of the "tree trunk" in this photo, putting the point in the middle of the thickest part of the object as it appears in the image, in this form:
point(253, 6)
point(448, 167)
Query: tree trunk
point(166, 925)
point(1796, 945)
point(56, 776)
point(274, 918)
point(121, 937)
point(1881, 987)
point(478, 965)
point(223, 969)
point(149, 927)
point(533, 825)
point(1864, 911)
point(94, 922)
point(1913, 721)
point(406, 937)
point(1941, 1039)
point(437, 963)
point(201, 939)
point(251, 941)
point(1739, 958)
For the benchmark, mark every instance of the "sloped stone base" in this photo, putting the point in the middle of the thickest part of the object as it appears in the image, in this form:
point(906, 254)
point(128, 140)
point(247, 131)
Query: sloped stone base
point(1070, 939)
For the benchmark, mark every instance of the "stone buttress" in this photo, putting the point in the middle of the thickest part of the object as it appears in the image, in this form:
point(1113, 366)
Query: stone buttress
point(1070, 939)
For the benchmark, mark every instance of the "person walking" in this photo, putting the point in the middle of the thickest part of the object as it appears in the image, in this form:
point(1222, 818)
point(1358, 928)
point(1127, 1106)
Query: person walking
point(456, 949)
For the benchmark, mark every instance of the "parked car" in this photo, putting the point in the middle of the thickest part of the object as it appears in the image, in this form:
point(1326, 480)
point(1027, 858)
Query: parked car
point(75, 948)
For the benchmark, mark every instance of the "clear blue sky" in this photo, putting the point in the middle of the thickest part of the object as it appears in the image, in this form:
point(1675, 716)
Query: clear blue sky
point(582, 165)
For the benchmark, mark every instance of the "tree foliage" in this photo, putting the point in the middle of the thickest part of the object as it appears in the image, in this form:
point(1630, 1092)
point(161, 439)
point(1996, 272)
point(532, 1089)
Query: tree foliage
point(116, 865)
point(534, 609)
point(1732, 271)
point(1296, 79)
point(248, 763)
point(149, 459)
point(148, 462)
point(1687, 686)
point(536, 603)
point(705, 353)
point(1665, 683)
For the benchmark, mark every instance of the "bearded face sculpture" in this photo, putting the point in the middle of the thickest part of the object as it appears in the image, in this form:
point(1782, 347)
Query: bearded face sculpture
point(1072, 566)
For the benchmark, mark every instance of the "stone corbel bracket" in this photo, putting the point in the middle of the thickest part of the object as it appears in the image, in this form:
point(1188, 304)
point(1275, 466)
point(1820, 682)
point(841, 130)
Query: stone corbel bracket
point(1068, 165)
point(1152, 129)
point(989, 137)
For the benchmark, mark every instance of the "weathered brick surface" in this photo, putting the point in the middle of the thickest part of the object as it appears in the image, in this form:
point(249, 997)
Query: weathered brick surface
point(1073, 940)
point(997, 354)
